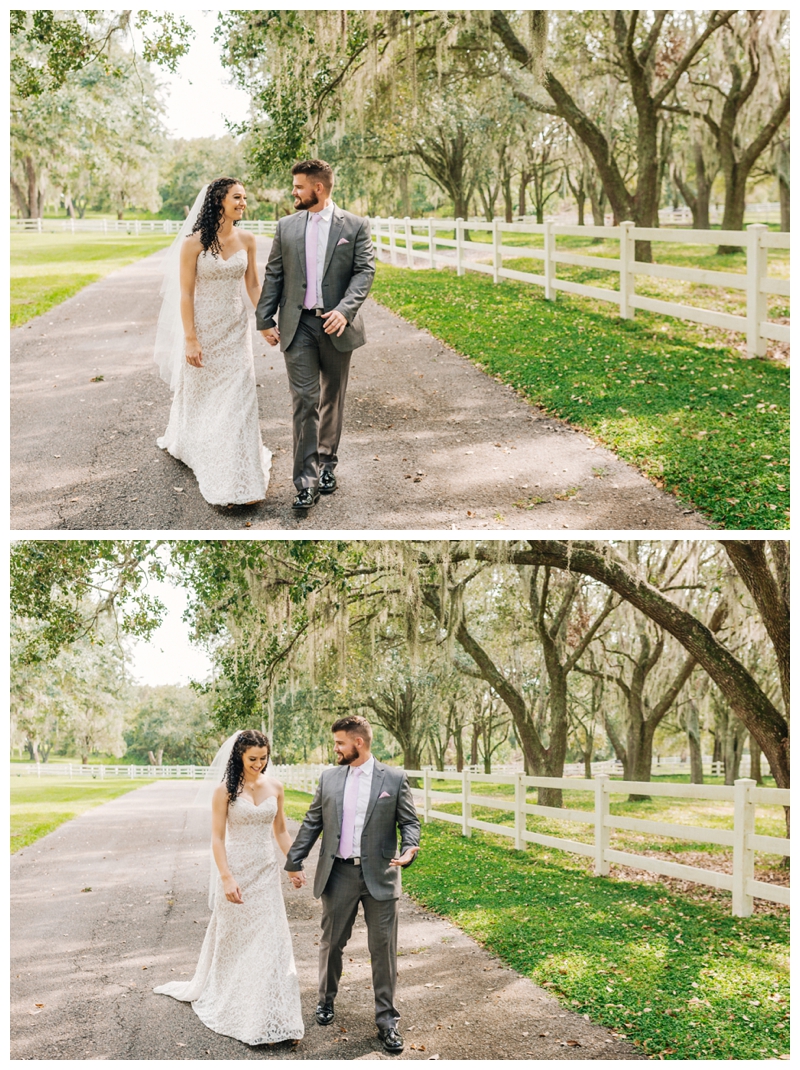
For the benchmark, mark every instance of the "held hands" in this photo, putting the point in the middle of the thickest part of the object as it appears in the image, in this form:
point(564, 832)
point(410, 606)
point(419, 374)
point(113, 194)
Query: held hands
point(334, 322)
point(405, 857)
point(271, 335)
point(194, 354)
point(298, 878)
point(231, 889)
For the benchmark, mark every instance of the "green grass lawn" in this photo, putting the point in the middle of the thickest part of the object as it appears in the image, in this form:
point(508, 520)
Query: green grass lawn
point(46, 269)
point(676, 975)
point(671, 971)
point(684, 407)
point(41, 804)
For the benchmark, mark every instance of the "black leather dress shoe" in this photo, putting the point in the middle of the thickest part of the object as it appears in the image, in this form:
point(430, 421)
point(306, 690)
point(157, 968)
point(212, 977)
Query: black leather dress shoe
point(324, 1013)
point(327, 482)
point(391, 1039)
point(307, 498)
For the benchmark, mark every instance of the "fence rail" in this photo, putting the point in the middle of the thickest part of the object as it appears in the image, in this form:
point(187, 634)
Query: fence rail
point(124, 226)
point(398, 238)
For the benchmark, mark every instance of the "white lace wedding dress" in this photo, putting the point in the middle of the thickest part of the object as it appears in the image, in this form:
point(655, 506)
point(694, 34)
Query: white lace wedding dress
point(245, 985)
point(213, 423)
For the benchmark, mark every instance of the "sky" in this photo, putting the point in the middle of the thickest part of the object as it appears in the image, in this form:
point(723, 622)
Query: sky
point(198, 97)
point(169, 657)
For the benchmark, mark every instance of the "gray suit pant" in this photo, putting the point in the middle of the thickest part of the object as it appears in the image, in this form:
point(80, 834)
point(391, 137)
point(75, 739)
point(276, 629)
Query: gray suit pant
point(343, 892)
point(317, 374)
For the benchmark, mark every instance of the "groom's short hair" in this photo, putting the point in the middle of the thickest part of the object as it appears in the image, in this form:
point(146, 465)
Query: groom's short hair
point(317, 171)
point(354, 725)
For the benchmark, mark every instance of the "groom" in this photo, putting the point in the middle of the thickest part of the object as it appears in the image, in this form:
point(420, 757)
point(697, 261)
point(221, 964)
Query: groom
point(319, 272)
point(358, 808)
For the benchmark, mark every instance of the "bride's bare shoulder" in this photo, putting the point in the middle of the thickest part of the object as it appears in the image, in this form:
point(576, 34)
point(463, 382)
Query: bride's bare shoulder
point(192, 243)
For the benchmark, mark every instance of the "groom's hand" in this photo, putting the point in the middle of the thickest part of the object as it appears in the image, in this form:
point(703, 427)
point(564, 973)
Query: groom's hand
point(405, 857)
point(272, 335)
point(335, 323)
point(298, 878)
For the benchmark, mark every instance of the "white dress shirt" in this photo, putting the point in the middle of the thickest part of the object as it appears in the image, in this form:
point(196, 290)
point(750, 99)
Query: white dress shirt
point(364, 787)
point(323, 227)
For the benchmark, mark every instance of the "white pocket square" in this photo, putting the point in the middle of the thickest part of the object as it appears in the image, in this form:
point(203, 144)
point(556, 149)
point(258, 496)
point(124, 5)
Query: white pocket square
point(384, 795)
point(342, 241)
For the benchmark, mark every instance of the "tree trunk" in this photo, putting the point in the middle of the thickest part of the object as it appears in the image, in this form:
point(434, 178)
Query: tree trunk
point(524, 180)
point(32, 748)
point(30, 174)
point(507, 200)
point(695, 744)
point(459, 741)
point(473, 753)
point(755, 761)
point(783, 195)
point(405, 198)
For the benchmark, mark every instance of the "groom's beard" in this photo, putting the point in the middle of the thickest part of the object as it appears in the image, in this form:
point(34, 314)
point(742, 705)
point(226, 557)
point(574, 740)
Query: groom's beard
point(309, 202)
point(346, 759)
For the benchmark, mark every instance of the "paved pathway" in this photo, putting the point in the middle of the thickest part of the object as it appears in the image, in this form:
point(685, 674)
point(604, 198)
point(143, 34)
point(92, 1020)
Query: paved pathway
point(430, 442)
point(113, 903)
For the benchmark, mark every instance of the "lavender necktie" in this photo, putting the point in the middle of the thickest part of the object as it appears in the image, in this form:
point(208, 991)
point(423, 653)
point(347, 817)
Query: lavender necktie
point(349, 813)
point(312, 237)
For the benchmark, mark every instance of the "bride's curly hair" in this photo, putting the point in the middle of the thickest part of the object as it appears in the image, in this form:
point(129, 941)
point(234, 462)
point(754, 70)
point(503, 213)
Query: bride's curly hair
point(210, 217)
point(234, 771)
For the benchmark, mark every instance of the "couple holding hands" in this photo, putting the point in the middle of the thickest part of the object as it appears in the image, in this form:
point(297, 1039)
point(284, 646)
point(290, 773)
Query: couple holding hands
point(246, 985)
point(318, 275)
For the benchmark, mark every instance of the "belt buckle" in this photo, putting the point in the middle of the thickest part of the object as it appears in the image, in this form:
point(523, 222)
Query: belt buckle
point(357, 860)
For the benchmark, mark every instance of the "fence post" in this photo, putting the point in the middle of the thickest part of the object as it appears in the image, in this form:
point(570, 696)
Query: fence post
point(431, 242)
point(426, 795)
point(756, 301)
point(466, 809)
point(520, 824)
point(39, 225)
point(376, 228)
point(549, 266)
point(102, 772)
point(459, 245)
point(409, 247)
point(392, 245)
point(627, 280)
point(497, 260)
point(744, 814)
point(601, 830)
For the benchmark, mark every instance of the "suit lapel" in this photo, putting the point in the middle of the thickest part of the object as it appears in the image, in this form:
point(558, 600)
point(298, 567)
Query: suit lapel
point(300, 245)
point(339, 798)
point(375, 789)
point(337, 222)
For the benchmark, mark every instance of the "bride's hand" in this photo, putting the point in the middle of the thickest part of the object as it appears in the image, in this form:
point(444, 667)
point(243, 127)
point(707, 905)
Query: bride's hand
point(194, 354)
point(231, 888)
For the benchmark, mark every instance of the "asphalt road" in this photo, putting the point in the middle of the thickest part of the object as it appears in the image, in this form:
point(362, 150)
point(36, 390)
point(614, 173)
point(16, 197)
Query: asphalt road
point(114, 902)
point(430, 442)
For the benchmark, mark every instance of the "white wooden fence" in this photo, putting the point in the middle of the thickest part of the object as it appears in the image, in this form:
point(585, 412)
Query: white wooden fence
point(124, 226)
point(461, 254)
point(744, 795)
point(300, 777)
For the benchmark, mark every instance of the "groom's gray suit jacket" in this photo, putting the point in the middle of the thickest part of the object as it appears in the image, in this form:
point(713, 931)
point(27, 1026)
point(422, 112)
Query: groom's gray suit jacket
point(391, 807)
point(347, 277)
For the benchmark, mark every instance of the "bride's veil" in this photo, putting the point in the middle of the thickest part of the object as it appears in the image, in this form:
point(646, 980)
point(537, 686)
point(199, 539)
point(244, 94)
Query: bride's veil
point(169, 347)
point(213, 778)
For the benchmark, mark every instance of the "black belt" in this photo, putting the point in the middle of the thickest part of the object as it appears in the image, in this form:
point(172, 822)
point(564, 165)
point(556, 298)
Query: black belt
point(312, 311)
point(349, 861)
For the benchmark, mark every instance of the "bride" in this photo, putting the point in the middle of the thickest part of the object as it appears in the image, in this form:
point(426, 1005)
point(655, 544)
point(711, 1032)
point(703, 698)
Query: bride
point(245, 985)
point(204, 350)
